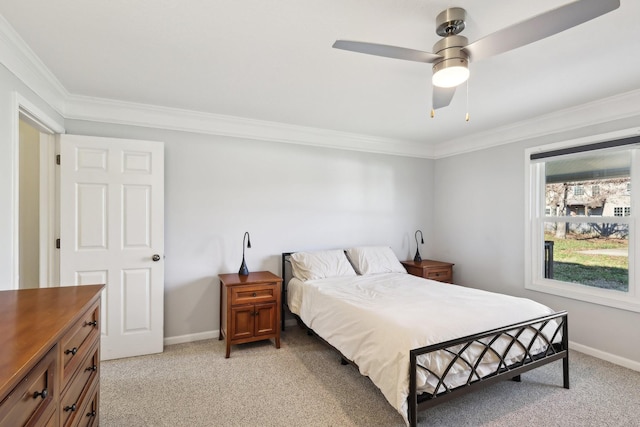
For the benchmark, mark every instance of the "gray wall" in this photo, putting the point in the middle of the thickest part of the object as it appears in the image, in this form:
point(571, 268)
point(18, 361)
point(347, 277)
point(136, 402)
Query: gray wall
point(479, 212)
point(289, 197)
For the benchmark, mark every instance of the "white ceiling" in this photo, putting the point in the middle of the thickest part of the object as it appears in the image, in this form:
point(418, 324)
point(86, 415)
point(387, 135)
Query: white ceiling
point(272, 60)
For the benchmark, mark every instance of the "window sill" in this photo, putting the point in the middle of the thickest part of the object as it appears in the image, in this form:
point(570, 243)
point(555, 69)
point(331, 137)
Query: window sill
point(606, 297)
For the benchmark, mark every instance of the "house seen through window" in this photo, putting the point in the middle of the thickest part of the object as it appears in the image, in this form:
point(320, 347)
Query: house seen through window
point(582, 223)
point(590, 247)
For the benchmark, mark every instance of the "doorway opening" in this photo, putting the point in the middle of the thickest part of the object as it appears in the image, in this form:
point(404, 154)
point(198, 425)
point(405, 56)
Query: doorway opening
point(36, 223)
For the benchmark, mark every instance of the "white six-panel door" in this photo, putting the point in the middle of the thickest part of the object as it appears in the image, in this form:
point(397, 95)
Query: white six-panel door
point(112, 232)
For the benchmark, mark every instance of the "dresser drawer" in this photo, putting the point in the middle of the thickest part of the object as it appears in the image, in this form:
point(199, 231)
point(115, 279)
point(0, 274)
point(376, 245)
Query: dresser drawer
point(441, 274)
point(75, 343)
point(32, 400)
point(74, 397)
point(253, 294)
point(88, 417)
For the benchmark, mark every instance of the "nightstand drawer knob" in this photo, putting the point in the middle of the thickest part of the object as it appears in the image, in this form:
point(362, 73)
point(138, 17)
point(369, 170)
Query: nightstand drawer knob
point(71, 408)
point(73, 351)
point(255, 294)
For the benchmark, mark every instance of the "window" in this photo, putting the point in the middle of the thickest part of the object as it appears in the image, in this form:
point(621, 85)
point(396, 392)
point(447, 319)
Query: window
point(621, 211)
point(581, 244)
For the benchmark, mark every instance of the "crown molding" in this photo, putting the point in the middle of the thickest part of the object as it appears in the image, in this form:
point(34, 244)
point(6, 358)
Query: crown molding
point(128, 113)
point(604, 110)
point(20, 60)
point(119, 112)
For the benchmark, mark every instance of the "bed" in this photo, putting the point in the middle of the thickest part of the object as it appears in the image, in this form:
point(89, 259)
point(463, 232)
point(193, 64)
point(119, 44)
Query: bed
point(421, 342)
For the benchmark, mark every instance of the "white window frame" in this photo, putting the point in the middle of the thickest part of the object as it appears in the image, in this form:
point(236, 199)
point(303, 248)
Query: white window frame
point(534, 230)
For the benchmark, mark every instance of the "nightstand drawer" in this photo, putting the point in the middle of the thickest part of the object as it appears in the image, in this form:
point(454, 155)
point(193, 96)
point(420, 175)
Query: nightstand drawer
point(430, 269)
point(442, 275)
point(253, 294)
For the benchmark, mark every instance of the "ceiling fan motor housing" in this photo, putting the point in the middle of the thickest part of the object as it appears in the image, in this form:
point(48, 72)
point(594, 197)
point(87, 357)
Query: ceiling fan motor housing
point(450, 48)
point(450, 21)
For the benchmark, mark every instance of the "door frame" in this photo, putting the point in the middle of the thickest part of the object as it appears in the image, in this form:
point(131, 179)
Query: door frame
point(28, 111)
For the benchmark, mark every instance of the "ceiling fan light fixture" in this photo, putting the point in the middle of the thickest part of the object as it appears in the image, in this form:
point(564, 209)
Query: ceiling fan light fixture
point(450, 73)
point(453, 68)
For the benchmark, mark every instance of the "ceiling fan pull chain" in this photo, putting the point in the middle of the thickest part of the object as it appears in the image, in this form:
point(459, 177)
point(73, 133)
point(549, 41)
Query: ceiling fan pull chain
point(466, 117)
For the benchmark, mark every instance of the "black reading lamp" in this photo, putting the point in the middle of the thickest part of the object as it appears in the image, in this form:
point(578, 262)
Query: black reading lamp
point(418, 258)
point(244, 271)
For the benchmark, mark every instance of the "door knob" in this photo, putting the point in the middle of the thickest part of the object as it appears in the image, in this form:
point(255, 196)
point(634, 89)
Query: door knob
point(155, 257)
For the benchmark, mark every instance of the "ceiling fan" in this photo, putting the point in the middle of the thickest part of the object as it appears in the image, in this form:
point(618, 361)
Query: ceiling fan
point(453, 51)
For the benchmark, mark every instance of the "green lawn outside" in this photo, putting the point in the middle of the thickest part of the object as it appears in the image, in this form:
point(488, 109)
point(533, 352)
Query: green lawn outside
point(571, 264)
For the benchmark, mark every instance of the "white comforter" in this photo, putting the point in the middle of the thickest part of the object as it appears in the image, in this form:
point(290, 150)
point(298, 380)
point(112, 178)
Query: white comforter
point(375, 320)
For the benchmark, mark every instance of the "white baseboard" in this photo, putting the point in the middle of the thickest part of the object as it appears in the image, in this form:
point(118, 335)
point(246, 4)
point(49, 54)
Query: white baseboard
point(207, 335)
point(181, 339)
point(627, 363)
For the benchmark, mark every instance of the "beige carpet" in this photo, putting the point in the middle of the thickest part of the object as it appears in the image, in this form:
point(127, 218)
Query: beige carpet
point(303, 384)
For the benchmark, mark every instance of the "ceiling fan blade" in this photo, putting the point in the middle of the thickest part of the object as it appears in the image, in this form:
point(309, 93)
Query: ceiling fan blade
point(442, 96)
point(539, 27)
point(386, 51)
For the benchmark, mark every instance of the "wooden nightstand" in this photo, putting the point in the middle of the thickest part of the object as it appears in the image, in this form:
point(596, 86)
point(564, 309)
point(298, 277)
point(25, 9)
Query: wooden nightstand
point(429, 269)
point(249, 308)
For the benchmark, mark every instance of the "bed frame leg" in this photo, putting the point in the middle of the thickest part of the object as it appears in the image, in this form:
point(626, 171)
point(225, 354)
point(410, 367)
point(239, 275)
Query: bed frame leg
point(565, 346)
point(343, 361)
point(412, 409)
point(565, 371)
point(516, 379)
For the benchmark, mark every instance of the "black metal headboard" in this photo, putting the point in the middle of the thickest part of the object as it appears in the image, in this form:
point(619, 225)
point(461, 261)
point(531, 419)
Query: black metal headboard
point(286, 276)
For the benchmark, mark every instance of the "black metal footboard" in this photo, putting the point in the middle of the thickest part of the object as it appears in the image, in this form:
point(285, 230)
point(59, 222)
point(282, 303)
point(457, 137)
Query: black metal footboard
point(517, 336)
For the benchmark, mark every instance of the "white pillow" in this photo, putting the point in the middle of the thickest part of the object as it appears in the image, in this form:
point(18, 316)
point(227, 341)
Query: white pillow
point(374, 259)
point(320, 265)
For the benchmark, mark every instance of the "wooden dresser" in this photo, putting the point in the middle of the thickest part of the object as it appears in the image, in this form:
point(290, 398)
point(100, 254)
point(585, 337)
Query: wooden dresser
point(429, 269)
point(50, 356)
point(249, 308)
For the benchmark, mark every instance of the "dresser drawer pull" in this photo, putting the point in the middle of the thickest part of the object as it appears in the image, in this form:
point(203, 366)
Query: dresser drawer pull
point(93, 323)
point(255, 294)
point(71, 408)
point(73, 351)
point(92, 368)
point(44, 393)
point(91, 414)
